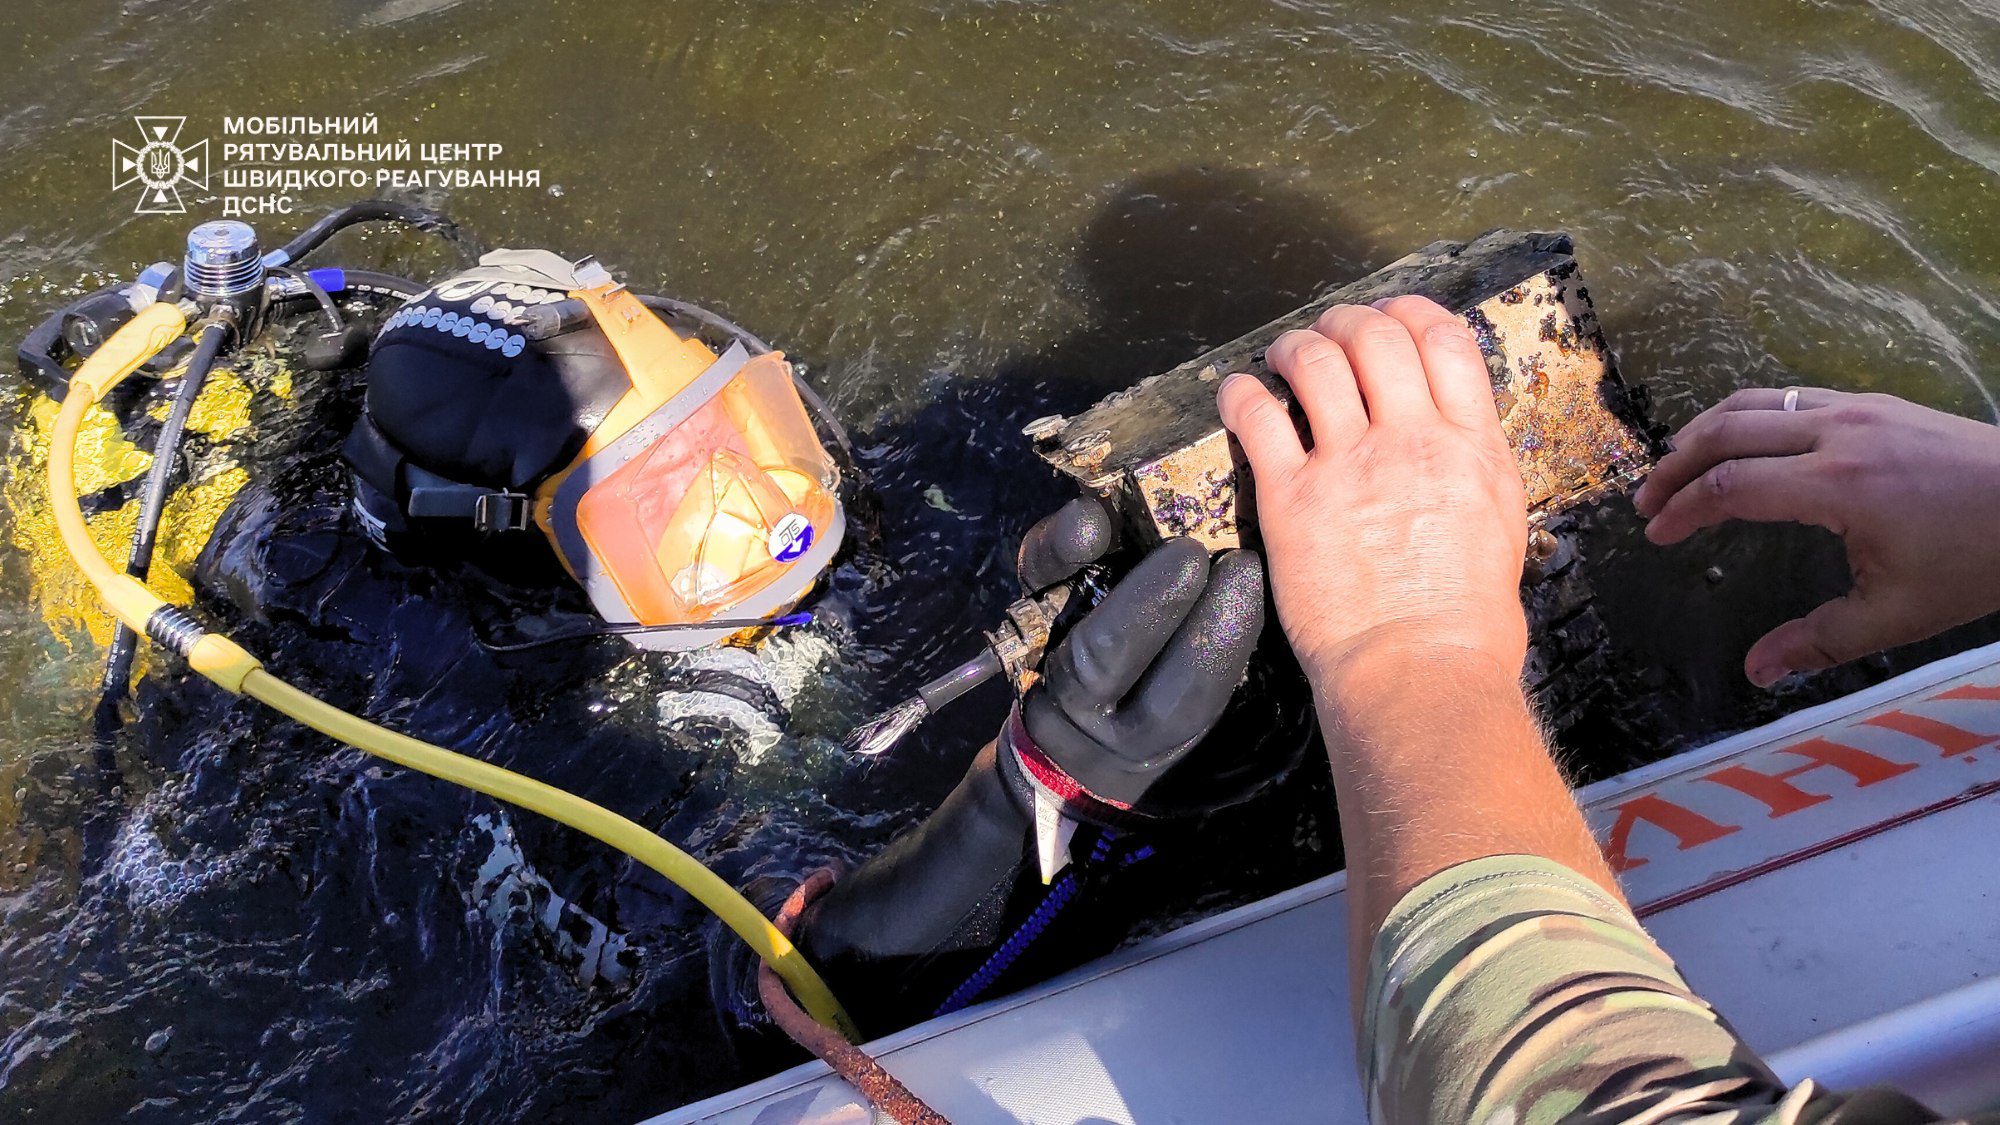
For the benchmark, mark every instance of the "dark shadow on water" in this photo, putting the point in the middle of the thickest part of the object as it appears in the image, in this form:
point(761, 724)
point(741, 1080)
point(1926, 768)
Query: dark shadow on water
point(1175, 262)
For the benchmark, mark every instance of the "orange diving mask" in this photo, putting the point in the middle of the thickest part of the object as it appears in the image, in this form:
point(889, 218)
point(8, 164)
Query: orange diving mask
point(678, 486)
point(703, 495)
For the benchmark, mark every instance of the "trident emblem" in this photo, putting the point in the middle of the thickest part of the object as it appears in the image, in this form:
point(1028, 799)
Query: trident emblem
point(159, 165)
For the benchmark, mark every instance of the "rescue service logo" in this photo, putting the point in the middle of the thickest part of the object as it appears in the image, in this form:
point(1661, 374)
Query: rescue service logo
point(159, 165)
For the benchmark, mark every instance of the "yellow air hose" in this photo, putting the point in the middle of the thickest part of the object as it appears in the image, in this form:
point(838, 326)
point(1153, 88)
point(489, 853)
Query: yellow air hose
point(223, 661)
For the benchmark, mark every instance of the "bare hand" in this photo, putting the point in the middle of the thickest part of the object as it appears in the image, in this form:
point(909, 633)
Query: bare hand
point(1913, 492)
point(1405, 525)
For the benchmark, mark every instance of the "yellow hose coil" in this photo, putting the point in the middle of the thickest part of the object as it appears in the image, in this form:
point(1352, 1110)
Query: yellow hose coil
point(223, 661)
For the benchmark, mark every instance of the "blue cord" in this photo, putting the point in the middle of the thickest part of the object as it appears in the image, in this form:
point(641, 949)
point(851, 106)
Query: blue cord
point(1060, 895)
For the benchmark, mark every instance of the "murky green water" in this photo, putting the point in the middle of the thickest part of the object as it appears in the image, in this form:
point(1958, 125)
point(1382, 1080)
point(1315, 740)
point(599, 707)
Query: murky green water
point(960, 215)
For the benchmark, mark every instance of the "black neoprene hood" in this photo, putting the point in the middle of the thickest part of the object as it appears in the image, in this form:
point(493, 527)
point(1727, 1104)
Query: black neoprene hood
point(446, 402)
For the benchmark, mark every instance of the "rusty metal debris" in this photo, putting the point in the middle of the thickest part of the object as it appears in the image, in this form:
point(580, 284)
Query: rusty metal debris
point(1023, 638)
point(1159, 455)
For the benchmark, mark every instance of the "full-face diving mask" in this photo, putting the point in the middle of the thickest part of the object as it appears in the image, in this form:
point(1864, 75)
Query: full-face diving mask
point(678, 486)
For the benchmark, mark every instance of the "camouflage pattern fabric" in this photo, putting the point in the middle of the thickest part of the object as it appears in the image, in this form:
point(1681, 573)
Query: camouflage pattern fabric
point(1511, 990)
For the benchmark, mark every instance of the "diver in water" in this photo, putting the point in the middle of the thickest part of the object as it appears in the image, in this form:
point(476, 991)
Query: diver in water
point(548, 457)
point(485, 388)
point(708, 509)
point(529, 419)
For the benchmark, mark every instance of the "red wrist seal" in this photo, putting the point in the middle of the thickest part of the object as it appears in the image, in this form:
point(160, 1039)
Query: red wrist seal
point(1040, 769)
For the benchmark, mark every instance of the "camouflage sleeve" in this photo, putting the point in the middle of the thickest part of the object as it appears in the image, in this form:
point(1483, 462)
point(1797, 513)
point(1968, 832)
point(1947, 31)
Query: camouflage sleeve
point(1511, 989)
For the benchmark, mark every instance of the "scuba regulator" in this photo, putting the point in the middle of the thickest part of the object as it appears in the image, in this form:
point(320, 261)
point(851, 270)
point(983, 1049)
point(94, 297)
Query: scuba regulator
point(224, 267)
point(234, 291)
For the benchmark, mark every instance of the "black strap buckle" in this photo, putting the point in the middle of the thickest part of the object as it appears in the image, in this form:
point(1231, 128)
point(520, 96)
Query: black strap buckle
point(502, 511)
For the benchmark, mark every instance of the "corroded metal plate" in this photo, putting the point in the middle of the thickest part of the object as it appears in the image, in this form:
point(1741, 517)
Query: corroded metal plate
point(1159, 451)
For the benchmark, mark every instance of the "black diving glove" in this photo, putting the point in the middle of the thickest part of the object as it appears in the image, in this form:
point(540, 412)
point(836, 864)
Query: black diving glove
point(1125, 696)
point(1134, 687)
point(1064, 542)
